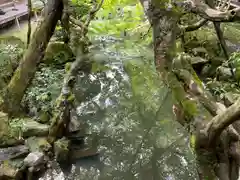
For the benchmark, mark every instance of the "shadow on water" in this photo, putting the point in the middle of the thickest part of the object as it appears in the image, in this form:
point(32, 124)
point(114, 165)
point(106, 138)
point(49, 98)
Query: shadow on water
point(130, 117)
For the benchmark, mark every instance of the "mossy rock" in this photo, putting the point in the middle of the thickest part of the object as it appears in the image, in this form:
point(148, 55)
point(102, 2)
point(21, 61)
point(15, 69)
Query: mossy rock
point(44, 117)
point(39, 144)
point(12, 40)
point(61, 149)
point(8, 171)
point(33, 128)
point(58, 53)
point(8, 135)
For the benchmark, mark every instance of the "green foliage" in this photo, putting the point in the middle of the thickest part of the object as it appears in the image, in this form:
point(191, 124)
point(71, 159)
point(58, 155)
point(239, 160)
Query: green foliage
point(80, 8)
point(11, 51)
point(117, 18)
point(44, 89)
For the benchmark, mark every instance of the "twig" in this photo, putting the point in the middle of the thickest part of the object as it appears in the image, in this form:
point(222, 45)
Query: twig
point(92, 13)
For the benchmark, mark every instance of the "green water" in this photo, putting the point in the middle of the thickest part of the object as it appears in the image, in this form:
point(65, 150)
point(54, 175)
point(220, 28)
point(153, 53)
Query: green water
point(129, 113)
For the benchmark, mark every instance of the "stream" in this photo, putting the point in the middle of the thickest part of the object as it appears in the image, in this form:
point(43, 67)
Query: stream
point(130, 120)
point(134, 141)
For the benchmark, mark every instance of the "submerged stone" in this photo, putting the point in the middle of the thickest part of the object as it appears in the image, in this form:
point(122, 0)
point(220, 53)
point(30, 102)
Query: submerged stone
point(33, 128)
point(78, 153)
point(88, 149)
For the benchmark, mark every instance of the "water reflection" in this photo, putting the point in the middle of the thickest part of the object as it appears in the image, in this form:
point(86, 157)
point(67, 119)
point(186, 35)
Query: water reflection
point(137, 138)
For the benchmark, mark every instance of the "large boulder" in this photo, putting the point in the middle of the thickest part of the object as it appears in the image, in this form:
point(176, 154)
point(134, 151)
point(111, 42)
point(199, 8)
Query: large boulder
point(58, 53)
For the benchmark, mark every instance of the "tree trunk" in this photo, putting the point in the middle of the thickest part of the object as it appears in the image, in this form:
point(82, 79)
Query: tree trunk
point(32, 57)
point(65, 22)
point(29, 22)
point(213, 138)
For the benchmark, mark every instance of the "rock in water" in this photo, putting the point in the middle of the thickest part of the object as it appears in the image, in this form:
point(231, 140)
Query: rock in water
point(34, 159)
point(78, 153)
point(87, 150)
point(33, 128)
point(61, 149)
point(74, 124)
point(13, 152)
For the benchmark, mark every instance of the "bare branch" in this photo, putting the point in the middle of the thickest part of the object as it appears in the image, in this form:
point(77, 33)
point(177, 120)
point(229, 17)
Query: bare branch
point(195, 26)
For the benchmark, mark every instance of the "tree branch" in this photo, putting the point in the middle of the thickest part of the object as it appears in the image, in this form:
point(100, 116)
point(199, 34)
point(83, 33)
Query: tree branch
point(201, 8)
point(195, 26)
point(222, 121)
point(76, 22)
point(93, 12)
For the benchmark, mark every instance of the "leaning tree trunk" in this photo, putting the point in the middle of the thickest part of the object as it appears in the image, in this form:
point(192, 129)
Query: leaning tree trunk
point(32, 57)
point(213, 138)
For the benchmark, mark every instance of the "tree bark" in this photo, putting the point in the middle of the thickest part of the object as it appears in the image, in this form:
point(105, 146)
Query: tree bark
point(29, 22)
point(65, 22)
point(32, 57)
